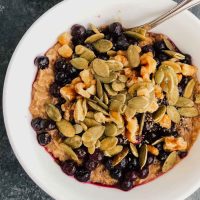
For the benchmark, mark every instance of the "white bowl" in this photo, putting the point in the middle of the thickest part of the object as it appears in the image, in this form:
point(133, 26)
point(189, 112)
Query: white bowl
point(183, 29)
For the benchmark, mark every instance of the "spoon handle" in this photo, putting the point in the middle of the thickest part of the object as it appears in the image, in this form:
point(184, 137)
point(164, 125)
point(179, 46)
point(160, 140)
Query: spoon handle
point(183, 5)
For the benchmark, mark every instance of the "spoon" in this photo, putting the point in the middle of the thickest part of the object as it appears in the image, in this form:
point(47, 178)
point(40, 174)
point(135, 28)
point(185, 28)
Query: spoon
point(183, 5)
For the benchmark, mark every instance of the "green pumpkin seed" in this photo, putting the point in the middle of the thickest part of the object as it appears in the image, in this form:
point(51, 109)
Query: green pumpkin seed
point(90, 115)
point(108, 143)
point(189, 89)
point(122, 78)
point(94, 28)
point(84, 52)
point(168, 44)
point(101, 68)
point(138, 103)
point(105, 98)
point(159, 76)
point(159, 114)
point(174, 54)
point(169, 162)
point(97, 108)
point(111, 53)
point(133, 56)
point(118, 86)
point(78, 128)
point(121, 131)
point(184, 102)
point(103, 45)
point(135, 35)
point(132, 90)
point(116, 106)
point(53, 112)
point(110, 79)
point(130, 112)
point(93, 134)
point(74, 142)
point(173, 96)
point(119, 157)
point(79, 63)
point(68, 150)
point(109, 90)
point(197, 98)
point(114, 151)
point(173, 114)
point(114, 65)
point(91, 149)
point(89, 144)
point(99, 88)
point(139, 30)
point(83, 126)
point(134, 150)
point(94, 38)
point(98, 143)
point(100, 102)
point(90, 122)
point(158, 141)
point(188, 112)
point(143, 155)
point(66, 128)
point(111, 130)
point(175, 66)
point(142, 120)
point(120, 97)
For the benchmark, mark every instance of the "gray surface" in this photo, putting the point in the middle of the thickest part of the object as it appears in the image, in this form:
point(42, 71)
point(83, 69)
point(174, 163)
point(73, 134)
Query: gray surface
point(16, 16)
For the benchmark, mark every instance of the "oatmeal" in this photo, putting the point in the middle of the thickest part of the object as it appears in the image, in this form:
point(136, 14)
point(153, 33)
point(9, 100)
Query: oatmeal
point(115, 107)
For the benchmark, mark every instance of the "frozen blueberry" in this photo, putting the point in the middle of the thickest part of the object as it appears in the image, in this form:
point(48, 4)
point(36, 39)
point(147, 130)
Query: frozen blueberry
point(35, 123)
point(160, 45)
point(116, 29)
point(81, 152)
point(43, 139)
point(126, 185)
point(82, 174)
point(122, 164)
point(133, 163)
point(188, 59)
point(51, 125)
point(131, 176)
point(78, 31)
point(108, 164)
point(143, 173)
point(122, 140)
point(122, 43)
point(54, 90)
point(183, 83)
point(183, 154)
point(73, 72)
point(97, 156)
point(162, 57)
point(91, 164)
point(116, 173)
point(69, 167)
point(62, 78)
point(162, 156)
point(61, 65)
point(42, 62)
point(150, 159)
point(147, 48)
point(159, 146)
point(103, 56)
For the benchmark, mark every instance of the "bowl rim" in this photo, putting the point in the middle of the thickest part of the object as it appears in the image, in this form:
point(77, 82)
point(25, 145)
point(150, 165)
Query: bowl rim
point(36, 179)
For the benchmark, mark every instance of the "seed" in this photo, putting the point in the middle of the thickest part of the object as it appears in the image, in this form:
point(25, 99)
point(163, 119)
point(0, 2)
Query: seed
point(53, 112)
point(175, 66)
point(94, 38)
point(119, 157)
point(139, 103)
point(135, 35)
point(79, 63)
point(94, 28)
point(142, 120)
point(90, 122)
point(159, 114)
point(78, 128)
point(109, 90)
point(168, 44)
point(173, 114)
point(114, 151)
point(105, 98)
point(108, 143)
point(111, 53)
point(132, 90)
point(142, 31)
point(130, 112)
point(122, 78)
point(79, 112)
point(101, 68)
point(197, 98)
point(98, 143)
point(97, 108)
point(116, 106)
point(74, 142)
point(118, 86)
point(99, 89)
point(174, 54)
point(103, 45)
point(169, 162)
point(91, 149)
point(184, 102)
point(143, 155)
point(114, 65)
point(188, 112)
point(173, 96)
point(133, 56)
point(83, 126)
point(159, 76)
point(189, 89)
point(110, 79)
point(158, 141)
point(100, 117)
point(134, 150)
point(111, 130)
point(66, 128)
point(90, 115)
point(84, 52)
point(100, 102)
point(120, 97)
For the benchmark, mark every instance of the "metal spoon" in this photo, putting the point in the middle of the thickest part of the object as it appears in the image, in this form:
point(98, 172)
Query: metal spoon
point(183, 5)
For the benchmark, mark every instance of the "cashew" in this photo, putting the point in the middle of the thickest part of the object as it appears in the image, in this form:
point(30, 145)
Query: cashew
point(79, 87)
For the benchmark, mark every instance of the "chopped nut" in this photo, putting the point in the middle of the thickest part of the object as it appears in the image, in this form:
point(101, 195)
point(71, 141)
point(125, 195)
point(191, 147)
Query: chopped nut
point(65, 51)
point(68, 92)
point(76, 80)
point(117, 119)
point(153, 107)
point(166, 121)
point(153, 150)
point(175, 144)
point(79, 87)
point(122, 53)
point(122, 59)
point(86, 77)
point(91, 90)
point(64, 38)
point(188, 70)
point(158, 92)
point(132, 128)
point(143, 91)
point(179, 76)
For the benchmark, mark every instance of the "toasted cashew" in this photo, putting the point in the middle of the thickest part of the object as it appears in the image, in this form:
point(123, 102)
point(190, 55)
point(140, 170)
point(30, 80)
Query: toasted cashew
point(175, 144)
point(122, 59)
point(79, 87)
point(86, 77)
point(166, 122)
point(64, 38)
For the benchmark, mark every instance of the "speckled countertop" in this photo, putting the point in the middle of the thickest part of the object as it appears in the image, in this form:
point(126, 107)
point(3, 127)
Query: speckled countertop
point(16, 16)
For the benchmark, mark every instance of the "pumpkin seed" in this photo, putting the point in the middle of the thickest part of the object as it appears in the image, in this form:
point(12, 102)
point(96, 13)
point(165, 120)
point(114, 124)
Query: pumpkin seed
point(68, 150)
point(159, 76)
point(141, 124)
point(116, 106)
point(184, 102)
point(119, 157)
point(94, 28)
point(111, 130)
point(100, 102)
point(79, 112)
point(101, 68)
point(111, 53)
point(109, 90)
point(114, 65)
point(173, 114)
point(135, 35)
point(79, 63)
point(94, 38)
point(90, 122)
point(93, 133)
point(169, 162)
point(133, 56)
point(99, 88)
point(84, 106)
point(53, 112)
point(174, 54)
point(97, 108)
point(103, 45)
point(138, 103)
point(189, 89)
point(110, 79)
point(121, 131)
point(142, 31)
point(173, 96)
point(100, 117)
point(90, 115)
point(105, 98)
point(83, 126)
point(197, 98)
point(159, 114)
point(158, 141)
point(122, 78)
point(120, 97)
point(91, 149)
point(108, 143)
point(66, 128)
point(114, 151)
point(117, 118)
point(143, 155)
point(74, 142)
point(84, 52)
point(98, 143)
point(78, 128)
point(118, 86)
point(130, 112)
point(168, 44)
point(134, 150)
point(132, 90)
point(175, 66)
point(89, 144)
point(188, 112)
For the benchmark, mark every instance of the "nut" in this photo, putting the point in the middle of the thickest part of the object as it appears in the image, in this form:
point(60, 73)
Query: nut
point(65, 51)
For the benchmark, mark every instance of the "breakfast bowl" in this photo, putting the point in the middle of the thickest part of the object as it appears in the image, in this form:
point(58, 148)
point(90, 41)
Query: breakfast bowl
point(178, 183)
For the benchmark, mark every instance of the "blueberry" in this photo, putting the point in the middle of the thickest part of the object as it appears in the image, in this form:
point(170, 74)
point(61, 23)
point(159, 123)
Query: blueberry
point(159, 146)
point(151, 137)
point(62, 78)
point(97, 156)
point(122, 140)
point(162, 57)
point(89, 33)
point(43, 139)
point(73, 72)
point(122, 164)
point(160, 45)
point(61, 65)
point(175, 134)
point(103, 56)
point(51, 125)
point(108, 164)
point(40, 124)
point(82, 174)
point(147, 48)
point(61, 101)
point(162, 156)
point(183, 83)
point(116, 29)
point(78, 31)
point(150, 159)
point(77, 40)
point(116, 173)
point(91, 165)
point(90, 46)
point(69, 167)
point(188, 59)
point(130, 175)
point(42, 62)
point(183, 154)
point(81, 152)
point(143, 173)
point(163, 101)
point(133, 163)
point(54, 90)
point(126, 185)
point(35, 123)
point(122, 43)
